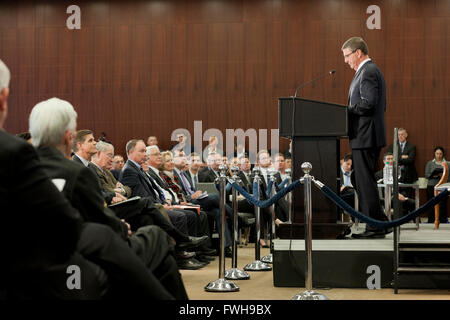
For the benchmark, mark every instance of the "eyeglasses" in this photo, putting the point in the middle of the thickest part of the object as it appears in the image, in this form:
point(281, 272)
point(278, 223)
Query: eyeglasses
point(349, 54)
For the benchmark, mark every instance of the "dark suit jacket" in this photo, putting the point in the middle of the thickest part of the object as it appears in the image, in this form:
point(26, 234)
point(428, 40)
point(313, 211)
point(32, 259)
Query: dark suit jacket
point(81, 189)
point(107, 195)
point(206, 175)
point(40, 227)
point(134, 178)
point(366, 108)
point(409, 172)
point(245, 182)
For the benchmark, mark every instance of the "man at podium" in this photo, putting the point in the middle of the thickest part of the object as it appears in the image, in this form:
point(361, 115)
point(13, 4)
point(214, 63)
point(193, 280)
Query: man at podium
point(366, 129)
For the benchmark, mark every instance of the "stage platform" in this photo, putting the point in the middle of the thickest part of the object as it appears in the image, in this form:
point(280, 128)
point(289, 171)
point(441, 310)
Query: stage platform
point(346, 263)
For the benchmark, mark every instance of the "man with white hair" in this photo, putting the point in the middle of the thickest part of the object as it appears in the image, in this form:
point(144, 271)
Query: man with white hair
point(140, 212)
point(52, 127)
point(42, 229)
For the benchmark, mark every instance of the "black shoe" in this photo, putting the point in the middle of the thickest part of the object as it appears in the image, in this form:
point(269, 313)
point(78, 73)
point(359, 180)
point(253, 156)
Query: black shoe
point(205, 258)
point(379, 234)
point(184, 254)
point(207, 251)
point(344, 233)
point(228, 252)
point(389, 230)
point(189, 264)
point(193, 242)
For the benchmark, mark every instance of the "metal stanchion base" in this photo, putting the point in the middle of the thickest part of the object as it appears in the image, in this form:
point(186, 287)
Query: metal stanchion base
point(309, 295)
point(267, 259)
point(236, 274)
point(257, 266)
point(221, 285)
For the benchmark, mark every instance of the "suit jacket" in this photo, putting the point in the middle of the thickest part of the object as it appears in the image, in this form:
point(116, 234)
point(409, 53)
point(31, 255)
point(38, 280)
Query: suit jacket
point(40, 227)
point(81, 188)
point(409, 172)
point(108, 181)
point(107, 195)
point(245, 182)
point(206, 175)
point(366, 108)
point(139, 183)
point(116, 174)
point(163, 184)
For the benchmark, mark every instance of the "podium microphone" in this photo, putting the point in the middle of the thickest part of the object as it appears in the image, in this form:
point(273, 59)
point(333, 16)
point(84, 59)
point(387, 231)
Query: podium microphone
point(331, 72)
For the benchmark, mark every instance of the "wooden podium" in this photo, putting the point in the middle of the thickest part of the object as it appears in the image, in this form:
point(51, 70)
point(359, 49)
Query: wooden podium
point(315, 128)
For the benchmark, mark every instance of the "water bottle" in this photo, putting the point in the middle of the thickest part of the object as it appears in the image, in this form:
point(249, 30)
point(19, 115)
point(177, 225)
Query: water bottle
point(387, 174)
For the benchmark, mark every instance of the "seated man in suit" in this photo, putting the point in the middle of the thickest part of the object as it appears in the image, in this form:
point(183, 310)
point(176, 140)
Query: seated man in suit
point(52, 126)
point(143, 185)
point(279, 165)
point(117, 166)
point(210, 203)
point(407, 157)
point(42, 230)
point(211, 172)
point(407, 203)
point(139, 213)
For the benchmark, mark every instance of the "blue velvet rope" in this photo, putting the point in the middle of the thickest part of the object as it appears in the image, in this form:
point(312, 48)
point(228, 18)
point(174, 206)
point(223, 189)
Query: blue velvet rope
point(383, 224)
point(267, 203)
point(269, 188)
point(281, 185)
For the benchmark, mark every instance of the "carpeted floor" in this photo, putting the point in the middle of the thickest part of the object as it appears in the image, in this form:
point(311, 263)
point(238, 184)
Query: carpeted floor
point(260, 285)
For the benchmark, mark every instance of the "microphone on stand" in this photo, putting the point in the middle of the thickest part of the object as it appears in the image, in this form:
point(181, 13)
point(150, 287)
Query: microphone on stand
point(331, 72)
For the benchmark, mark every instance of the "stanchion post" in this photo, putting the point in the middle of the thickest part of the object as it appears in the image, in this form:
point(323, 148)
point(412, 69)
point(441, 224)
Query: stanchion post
point(309, 294)
point(221, 284)
point(396, 210)
point(288, 171)
point(234, 273)
point(269, 258)
point(257, 265)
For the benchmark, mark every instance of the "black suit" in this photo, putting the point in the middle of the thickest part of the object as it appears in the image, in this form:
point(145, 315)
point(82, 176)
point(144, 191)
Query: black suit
point(141, 185)
point(41, 231)
point(367, 135)
point(407, 168)
point(82, 190)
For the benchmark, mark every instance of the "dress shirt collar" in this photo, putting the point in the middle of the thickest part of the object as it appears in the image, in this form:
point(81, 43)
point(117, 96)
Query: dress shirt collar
point(363, 63)
point(83, 160)
point(137, 164)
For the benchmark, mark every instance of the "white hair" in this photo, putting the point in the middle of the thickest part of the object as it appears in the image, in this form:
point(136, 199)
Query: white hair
point(5, 76)
point(49, 120)
point(149, 148)
point(104, 146)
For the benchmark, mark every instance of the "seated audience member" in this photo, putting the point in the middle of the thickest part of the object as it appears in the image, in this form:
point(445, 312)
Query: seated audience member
point(280, 165)
point(211, 172)
point(406, 157)
point(138, 213)
point(172, 171)
point(143, 185)
point(42, 230)
point(52, 127)
point(281, 206)
point(346, 190)
point(212, 147)
point(117, 165)
point(407, 204)
point(182, 144)
point(154, 172)
point(433, 172)
point(152, 141)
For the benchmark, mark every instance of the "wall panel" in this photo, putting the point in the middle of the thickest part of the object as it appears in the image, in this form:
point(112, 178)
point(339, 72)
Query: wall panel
point(148, 67)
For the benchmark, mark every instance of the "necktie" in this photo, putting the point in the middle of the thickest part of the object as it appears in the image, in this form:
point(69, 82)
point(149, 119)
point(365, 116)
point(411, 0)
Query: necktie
point(195, 182)
point(185, 183)
point(154, 186)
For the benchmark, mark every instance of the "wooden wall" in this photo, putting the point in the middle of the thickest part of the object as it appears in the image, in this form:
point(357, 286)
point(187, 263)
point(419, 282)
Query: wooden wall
point(140, 68)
